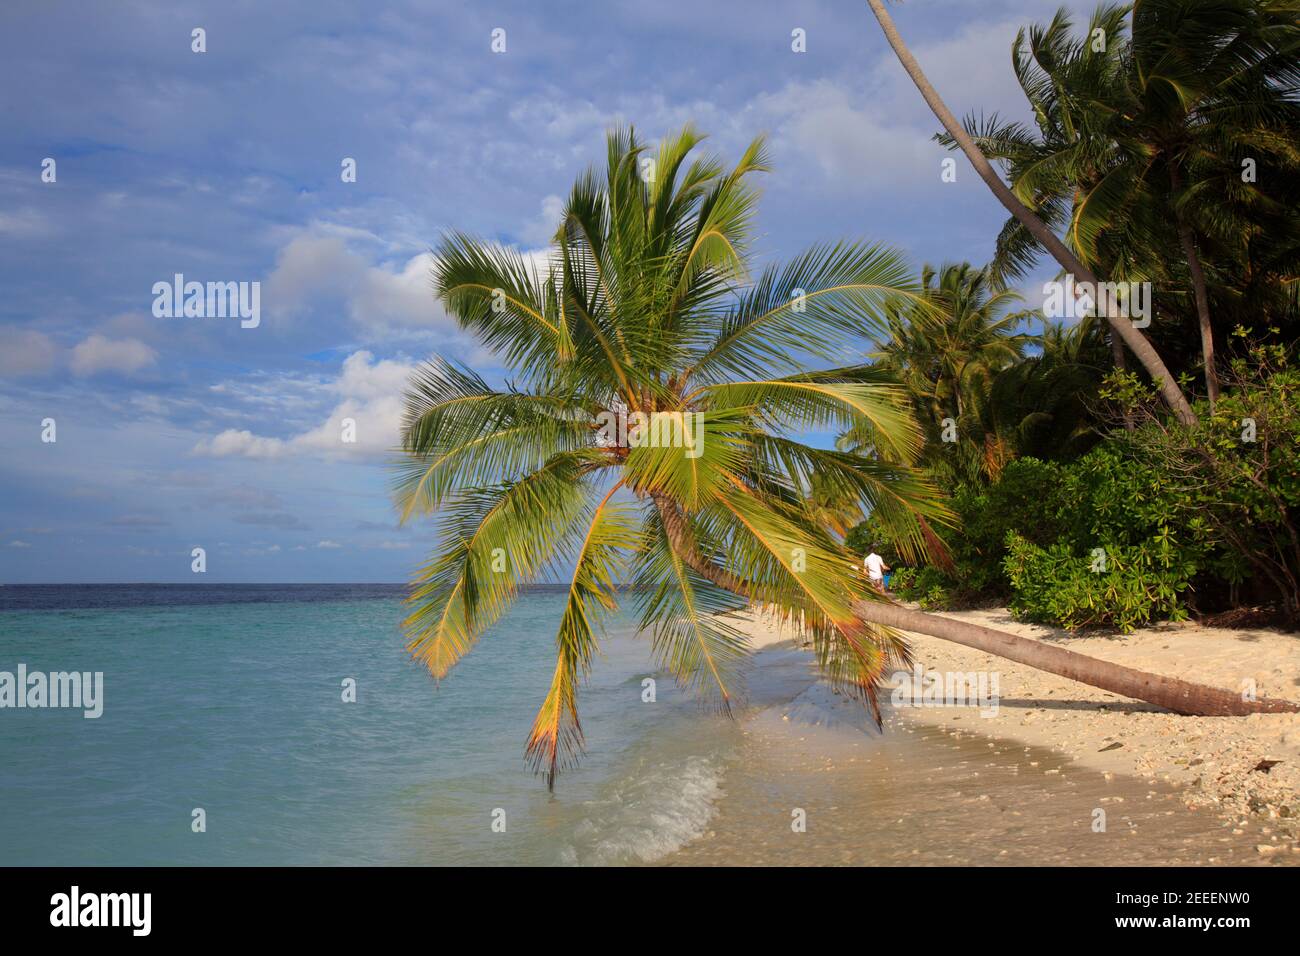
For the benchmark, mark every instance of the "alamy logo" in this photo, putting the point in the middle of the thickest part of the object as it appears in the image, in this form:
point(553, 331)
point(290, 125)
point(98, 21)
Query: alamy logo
point(621, 429)
point(68, 689)
point(953, 689)
point(213, 300)
point(1123, 300)
point(103, 909)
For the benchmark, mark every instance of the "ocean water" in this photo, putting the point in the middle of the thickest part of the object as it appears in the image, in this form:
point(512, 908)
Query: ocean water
point(229, 699)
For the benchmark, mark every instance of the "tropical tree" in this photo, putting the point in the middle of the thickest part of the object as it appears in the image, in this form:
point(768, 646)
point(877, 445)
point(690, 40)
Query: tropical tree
point(1039, 230)
point(1069, 85)
point(969, 332)
point(980, 398)
point(1213, 86)
point(1039, 406)
point(651, 438)
point(648, 438)
point(1139, 142)
point(947, 352)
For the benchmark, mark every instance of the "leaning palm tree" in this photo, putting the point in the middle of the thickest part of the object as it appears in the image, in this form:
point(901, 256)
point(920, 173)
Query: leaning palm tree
point(651, 439)
point(651, 435)
point(1036, 227)
point(1138, 141)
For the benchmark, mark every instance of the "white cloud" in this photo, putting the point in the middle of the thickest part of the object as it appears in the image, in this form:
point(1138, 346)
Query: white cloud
point(370, 393)
point(403, 298)
point(320, 266)
point(241, 443)
point(19, 544)
point(971, 70)
point(875, 134)
point(25, 351)
point(99, 354)
point(360, 379)
point(847, 137)
point(539, 232)
point(259, 552)
point(561, 121)
point(328, 545)
point(312, 266)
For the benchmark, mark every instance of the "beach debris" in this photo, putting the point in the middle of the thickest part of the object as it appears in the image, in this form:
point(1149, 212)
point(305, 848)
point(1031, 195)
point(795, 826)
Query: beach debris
point(1264, 766)
point(1115, 746)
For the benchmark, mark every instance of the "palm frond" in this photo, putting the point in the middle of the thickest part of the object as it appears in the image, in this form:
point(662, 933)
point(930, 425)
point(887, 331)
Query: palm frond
point(556, 737)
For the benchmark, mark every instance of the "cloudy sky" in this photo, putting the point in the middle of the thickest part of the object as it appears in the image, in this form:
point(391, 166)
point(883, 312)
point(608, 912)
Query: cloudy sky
point(175, 433)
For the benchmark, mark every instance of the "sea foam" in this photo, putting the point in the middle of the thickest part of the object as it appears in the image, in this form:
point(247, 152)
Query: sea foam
point(648, 814)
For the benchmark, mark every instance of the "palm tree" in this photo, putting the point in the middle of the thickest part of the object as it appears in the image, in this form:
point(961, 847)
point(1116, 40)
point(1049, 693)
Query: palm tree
point(1211, 83)
point(1041, 232)
point(644, 314)
point(705, 501)
point(965, 333)
point(947, 353)
point(1138, 143)
point(1068, 85)
point(1039, 407)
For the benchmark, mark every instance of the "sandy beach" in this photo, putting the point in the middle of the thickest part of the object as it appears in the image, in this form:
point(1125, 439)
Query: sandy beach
point(1228, 789)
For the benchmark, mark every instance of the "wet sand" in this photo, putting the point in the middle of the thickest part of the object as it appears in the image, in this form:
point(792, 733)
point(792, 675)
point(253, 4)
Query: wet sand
point(924, 794)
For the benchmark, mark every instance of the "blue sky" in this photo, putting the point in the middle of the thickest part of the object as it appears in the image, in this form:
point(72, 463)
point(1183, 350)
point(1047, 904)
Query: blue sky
point(175, 433)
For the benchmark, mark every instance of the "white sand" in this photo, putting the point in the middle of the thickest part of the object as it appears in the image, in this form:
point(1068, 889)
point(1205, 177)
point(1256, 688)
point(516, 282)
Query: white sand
point(1213, 758)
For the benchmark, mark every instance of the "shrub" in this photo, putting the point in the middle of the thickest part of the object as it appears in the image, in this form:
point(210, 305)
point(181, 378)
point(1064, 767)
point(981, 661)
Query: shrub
point(1116, 586)
point(902, 580)
point(1217, 504)
point(1234, 478)
point(1026, 499)
point(927, 586)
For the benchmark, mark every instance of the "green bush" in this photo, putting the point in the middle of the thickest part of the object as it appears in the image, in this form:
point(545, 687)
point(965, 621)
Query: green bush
point(902, 580)
point(1027, 499)
point(1217, 505)
point(1028, 539)
point(927, 586)
point(933, 590)
point(1233, 480)
point(1111, 586)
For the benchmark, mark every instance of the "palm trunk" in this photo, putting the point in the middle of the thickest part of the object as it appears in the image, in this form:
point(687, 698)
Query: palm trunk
point(1202, 311)
point(1117, 352)
point(1121, 365)
point(1135, 340)
point(1179, 696)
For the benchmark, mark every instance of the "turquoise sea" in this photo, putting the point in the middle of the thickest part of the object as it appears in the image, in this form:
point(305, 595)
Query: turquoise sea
point(229, 698)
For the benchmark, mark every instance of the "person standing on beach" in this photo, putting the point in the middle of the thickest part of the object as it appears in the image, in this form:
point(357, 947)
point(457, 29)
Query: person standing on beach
point(876, 568)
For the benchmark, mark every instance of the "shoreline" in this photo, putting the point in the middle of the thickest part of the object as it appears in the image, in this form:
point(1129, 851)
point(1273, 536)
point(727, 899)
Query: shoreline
point(1211, 762)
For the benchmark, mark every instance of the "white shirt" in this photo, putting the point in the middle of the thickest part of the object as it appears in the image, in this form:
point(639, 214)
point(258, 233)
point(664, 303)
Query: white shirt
point(875, 566)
